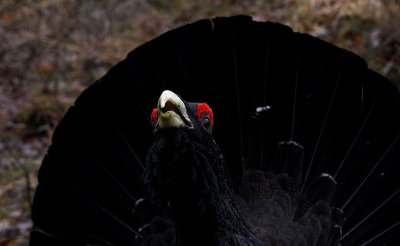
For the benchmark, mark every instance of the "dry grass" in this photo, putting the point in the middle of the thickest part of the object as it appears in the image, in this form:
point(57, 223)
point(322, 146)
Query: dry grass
point(50, 50)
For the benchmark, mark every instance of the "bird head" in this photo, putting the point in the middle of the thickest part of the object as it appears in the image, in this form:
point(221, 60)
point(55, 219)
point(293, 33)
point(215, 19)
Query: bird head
point(173, 112)
point(184, 158)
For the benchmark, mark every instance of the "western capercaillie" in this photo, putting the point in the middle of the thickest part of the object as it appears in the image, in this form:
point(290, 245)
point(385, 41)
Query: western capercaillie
point(301, 146)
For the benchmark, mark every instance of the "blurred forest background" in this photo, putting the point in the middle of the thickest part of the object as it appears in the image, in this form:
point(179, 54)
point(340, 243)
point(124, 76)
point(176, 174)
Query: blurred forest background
point(50, 50)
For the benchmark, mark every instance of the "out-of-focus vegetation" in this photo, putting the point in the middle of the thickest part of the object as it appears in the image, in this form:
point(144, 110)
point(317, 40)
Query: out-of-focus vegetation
point(50, 50)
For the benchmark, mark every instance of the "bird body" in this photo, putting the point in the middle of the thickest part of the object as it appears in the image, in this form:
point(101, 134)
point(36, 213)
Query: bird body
point(186, 170)
point(297, 144)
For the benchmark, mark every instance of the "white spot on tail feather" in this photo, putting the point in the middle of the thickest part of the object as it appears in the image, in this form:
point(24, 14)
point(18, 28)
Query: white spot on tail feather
point(329, 176)
point(261, 109)
point(139, 201)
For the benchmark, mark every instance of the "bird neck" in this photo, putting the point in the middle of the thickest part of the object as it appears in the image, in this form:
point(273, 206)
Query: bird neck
point(218, 223)
point(192, 176)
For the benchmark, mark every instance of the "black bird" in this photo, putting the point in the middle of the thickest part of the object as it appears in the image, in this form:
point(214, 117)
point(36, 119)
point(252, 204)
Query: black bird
point(301, 146)
point(186, 171)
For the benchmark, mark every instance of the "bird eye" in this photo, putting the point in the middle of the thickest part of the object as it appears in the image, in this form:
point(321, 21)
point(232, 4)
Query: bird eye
point(206, 122)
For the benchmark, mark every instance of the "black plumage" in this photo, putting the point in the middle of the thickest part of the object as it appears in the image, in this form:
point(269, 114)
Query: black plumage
point(308, 136)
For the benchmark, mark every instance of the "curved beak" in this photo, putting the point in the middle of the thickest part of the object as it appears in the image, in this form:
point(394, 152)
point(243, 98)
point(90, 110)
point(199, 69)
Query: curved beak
point(172, 111)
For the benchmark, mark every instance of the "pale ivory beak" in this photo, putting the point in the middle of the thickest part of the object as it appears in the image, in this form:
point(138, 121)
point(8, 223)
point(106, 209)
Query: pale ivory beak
point(172, 111)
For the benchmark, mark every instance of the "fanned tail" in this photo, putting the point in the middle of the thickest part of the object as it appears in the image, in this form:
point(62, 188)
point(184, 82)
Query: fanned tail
point(302, 116)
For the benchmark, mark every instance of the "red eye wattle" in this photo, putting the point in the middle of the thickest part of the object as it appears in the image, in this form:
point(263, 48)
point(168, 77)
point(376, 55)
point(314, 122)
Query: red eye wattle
point(154, 116)
point(204, 108)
